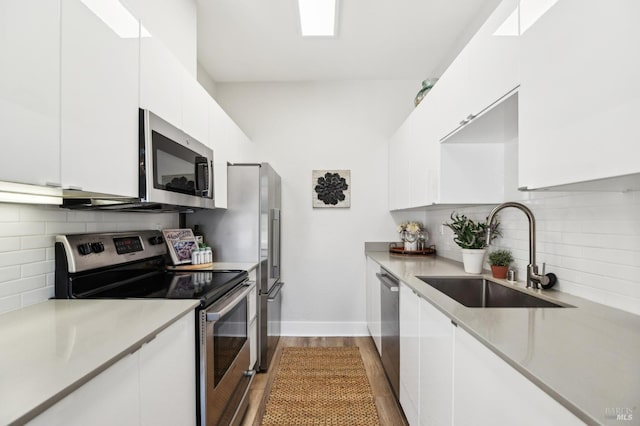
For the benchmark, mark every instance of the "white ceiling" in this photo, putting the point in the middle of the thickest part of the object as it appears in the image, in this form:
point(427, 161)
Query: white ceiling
point(259, 40)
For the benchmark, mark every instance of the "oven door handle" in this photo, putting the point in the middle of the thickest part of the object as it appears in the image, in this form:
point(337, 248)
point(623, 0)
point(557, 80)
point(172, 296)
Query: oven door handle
point(218, 312)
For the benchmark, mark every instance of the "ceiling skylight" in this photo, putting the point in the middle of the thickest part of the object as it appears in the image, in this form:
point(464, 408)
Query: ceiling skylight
point(317, 17)
point(117, 17)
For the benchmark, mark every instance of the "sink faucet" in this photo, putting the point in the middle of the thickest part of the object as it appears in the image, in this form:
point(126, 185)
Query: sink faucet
point(534, 279)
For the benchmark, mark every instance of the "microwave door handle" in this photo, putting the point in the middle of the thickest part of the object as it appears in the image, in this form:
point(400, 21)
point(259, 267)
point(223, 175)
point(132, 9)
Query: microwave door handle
point(202, 175)
point(219, 311)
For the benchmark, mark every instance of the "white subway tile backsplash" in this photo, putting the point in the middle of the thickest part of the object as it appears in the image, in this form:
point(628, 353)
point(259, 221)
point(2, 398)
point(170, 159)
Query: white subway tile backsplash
point(10, 303)
point(27, 236)
point(591, 241)
point(9, 244)
point(37, 296)
point(17, 229)
point(8, 213)
point(35, 213)
point(37, 241)
point(22, 285)
point(38, 268)
point(9, 273)
point(21, 257)
point(55, 228)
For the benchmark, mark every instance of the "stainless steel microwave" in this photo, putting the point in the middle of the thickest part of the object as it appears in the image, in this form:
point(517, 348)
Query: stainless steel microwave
point(175, 168)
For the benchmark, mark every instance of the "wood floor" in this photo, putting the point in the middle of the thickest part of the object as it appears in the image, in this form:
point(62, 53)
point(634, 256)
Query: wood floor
point(388, 409)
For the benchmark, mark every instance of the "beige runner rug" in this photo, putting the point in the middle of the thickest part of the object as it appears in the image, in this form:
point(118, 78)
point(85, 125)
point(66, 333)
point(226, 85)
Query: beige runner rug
point(321, 386)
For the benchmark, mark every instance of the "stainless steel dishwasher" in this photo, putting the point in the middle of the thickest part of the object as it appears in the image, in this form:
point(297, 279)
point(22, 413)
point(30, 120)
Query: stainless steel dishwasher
point(390, 318)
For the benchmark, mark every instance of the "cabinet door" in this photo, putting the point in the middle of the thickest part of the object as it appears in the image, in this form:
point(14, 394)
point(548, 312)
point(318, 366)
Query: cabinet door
point(99, 103)
point(161, 77)
point(424, 153)
point(168, 376)
point(580, 93)
point(436, 366)
point(373, 303)
point(400, 168)
point(410, 354)
point(195, 108)
point(111, 398)
point(493, 60)
point(30, 91)
point(221, 142)
point(511, 398)
point(484, 71)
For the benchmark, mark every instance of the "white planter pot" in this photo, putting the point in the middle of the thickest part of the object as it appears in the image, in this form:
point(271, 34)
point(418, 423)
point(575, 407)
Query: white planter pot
point(473, 260)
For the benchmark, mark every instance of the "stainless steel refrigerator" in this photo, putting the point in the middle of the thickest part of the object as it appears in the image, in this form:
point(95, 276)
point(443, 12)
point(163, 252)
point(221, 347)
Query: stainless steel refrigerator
point(249, 231)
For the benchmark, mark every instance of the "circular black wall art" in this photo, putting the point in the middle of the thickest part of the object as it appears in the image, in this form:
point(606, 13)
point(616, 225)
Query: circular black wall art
point(331, 188)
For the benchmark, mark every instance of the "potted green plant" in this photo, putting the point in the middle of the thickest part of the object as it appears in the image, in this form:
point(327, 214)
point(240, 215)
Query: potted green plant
point(471, 237)
point(500, 261)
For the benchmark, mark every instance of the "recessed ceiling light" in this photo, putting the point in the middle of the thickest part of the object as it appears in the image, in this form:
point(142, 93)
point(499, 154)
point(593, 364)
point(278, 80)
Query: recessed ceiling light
point(318, 17)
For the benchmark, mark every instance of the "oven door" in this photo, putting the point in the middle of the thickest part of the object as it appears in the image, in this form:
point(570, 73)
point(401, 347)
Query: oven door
point(224, 359)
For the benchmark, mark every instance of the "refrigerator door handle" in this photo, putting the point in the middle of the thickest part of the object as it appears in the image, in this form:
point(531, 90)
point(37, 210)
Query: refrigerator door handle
point(276, 243)
point(275, 292)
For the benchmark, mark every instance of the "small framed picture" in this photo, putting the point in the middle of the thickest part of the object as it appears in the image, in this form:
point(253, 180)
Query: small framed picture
point(180, 242)
point(331, 188)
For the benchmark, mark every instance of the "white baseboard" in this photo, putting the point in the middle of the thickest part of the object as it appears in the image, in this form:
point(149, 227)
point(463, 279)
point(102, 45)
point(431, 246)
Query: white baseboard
point(324, 328)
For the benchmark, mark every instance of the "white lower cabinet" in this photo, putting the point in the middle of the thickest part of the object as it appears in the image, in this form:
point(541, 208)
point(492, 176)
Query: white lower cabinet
point(168, 376)
point(373, 304)
point(410, 385)
point(426, 361)
point(436, 366)
point(111, 398)
point(152, 386)
point(487, 391)
point(447, 377)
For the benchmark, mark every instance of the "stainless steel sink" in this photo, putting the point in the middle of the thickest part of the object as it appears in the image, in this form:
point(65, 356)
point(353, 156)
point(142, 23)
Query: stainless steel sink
point(481, 293)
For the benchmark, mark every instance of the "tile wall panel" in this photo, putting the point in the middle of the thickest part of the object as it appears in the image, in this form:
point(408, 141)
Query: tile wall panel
point(591, 241)
point(27, 235)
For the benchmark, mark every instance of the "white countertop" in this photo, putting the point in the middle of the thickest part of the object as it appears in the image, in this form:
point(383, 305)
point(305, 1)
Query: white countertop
point(50, 349)
point(587, 357)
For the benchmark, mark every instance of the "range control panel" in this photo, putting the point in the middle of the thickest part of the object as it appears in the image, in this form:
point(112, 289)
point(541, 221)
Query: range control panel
point(92, 251)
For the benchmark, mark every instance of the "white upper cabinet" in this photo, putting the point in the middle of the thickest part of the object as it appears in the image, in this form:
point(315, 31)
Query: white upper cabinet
point(580, 97)
point(30, 91)
point(160, 81)
point(400, 167)
point(451, 149)
point(99, 103)
point(219, 141)
point(484, 72)
point(195, 108)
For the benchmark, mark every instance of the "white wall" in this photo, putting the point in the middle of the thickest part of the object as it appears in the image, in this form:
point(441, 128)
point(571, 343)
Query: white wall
point(299, 127)
point(27, 235)
point(591, 241)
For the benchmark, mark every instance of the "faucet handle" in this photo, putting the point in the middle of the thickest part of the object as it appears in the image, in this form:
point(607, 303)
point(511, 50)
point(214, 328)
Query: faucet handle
point(544, 266)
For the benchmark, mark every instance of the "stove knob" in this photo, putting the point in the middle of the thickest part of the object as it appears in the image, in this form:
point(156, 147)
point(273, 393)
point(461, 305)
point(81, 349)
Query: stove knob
point(97, 247)
point(156, 240)
point(84, 249)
